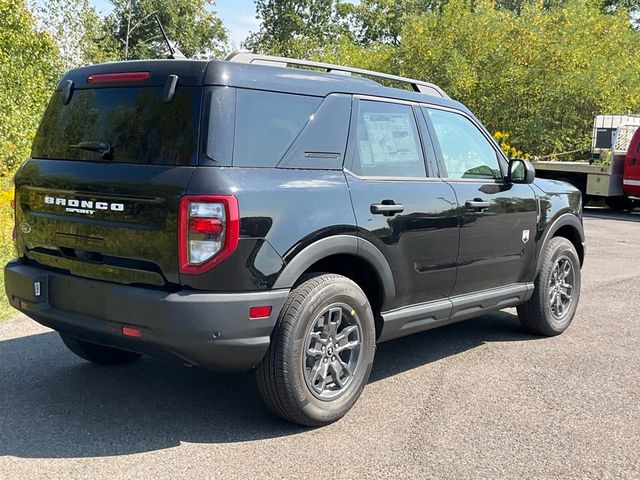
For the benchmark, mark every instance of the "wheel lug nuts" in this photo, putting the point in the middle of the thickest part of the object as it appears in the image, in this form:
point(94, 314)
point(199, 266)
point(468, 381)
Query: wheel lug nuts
point(333, 359)
point(326, 360)
point(323, 348)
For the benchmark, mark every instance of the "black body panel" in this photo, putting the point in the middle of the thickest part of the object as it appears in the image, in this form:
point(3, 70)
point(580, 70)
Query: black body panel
point(140, 237)
point(496, 243)
point(420, 243)
point(282, 211)
point(560, 206)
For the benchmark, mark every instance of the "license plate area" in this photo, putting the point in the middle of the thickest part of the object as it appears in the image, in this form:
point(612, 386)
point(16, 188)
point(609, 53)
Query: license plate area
point(82, 297)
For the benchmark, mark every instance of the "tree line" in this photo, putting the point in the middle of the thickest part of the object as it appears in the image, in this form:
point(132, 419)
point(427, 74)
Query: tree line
point(535, 71)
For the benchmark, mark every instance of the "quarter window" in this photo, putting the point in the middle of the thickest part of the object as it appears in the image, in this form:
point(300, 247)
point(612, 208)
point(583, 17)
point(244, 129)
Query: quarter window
point(387, 141)
point(465, 150)
point(267, 123)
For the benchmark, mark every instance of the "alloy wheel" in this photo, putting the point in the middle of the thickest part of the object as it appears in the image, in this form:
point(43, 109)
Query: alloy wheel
point(561, 283)
point(332, 351)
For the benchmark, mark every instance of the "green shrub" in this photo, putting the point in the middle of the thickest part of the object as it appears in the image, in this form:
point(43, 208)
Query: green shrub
point(7, 249)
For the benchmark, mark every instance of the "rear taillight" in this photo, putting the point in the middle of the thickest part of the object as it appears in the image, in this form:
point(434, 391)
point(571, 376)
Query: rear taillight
point(209, 231)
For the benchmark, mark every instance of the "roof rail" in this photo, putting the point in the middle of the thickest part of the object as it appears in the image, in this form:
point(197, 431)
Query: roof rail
point(416, 85)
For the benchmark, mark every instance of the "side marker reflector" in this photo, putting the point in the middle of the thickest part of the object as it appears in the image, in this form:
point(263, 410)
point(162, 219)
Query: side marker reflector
point(259, 312)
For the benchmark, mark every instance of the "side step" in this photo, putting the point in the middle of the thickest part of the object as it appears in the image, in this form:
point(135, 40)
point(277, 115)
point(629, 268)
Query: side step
point(425, 316)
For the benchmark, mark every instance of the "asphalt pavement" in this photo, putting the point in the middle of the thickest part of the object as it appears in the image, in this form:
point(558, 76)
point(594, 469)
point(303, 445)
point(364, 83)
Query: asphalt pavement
point(480, 399)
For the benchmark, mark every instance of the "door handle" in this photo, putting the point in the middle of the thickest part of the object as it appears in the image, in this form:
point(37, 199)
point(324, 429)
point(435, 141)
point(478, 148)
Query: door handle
point(477, 204)
point(387, 209)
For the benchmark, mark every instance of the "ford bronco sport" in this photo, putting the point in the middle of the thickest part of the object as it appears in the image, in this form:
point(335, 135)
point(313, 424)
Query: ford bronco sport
point(245, 214)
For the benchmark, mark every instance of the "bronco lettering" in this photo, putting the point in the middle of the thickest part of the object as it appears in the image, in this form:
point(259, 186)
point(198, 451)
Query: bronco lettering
point(87, 206)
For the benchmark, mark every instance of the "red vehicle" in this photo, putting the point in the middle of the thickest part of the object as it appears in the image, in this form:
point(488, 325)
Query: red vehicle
point(631, 177)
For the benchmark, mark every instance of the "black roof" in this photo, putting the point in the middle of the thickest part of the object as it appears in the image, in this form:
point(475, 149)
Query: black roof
point(254, 76)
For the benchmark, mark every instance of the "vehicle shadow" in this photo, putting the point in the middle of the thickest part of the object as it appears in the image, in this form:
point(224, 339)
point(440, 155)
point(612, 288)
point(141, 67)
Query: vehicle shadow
point(54, 405)
point(413, 351)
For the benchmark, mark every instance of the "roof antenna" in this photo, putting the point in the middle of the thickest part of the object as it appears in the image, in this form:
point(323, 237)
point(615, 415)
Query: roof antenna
point(173, 51)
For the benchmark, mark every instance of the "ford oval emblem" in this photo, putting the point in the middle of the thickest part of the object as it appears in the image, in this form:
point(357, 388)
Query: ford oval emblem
point(25, 227)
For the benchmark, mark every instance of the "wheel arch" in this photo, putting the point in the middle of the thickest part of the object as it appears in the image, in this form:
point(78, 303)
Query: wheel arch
point(353, 257)
point(568, 226)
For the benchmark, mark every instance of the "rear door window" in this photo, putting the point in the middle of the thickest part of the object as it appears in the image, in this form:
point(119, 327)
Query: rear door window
point(387, 141)
point(137, 125)
point(267, 123)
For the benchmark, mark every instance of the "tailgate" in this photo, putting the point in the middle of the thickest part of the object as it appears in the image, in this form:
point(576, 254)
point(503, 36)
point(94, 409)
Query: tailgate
point(101, 220)
point(114, 153)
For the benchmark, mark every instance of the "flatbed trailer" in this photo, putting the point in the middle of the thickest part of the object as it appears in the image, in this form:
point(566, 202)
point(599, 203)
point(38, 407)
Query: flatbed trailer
point(593, 179)
point(618, 181)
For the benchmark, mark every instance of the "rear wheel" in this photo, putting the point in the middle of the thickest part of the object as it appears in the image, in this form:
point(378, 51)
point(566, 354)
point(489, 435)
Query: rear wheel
point(321, 352)
point(557, 289)
point(98, 353)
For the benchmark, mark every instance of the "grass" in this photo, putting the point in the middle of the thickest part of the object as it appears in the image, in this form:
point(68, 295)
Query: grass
point(7, 249)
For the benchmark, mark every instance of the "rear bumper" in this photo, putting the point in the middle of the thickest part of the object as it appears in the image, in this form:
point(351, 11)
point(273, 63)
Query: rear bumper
point(211, 330)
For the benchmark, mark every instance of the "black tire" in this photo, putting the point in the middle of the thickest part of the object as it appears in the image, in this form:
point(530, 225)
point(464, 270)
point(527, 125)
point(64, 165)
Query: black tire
point(538, 315)
point(284, 374)
point(98, 353)
point(619, 203)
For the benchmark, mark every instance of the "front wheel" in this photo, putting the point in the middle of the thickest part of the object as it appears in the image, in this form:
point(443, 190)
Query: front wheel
point(321, 352)
point(557, 289)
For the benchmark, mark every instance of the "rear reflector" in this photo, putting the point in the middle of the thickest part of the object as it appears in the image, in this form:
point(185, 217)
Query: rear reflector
point(131, 332)
point(119, 77)
point(208, 226)
point(259, 312)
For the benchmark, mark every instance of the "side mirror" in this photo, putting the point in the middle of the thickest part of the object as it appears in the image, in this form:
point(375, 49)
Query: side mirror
point(521, 171)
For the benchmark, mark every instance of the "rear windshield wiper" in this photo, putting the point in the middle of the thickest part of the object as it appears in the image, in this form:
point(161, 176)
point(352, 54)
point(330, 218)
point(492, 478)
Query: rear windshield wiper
point(100, 147)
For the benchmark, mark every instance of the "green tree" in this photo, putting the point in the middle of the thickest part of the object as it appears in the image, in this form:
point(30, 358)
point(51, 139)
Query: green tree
point(539, 76)
point(614, 5)
point(29, 68)
point(78, 30)
point(293, 27)
point(192, 24)
point(381, 21)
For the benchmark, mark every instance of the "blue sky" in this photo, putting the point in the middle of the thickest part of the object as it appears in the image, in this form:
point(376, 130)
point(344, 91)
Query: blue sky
point(239, 16)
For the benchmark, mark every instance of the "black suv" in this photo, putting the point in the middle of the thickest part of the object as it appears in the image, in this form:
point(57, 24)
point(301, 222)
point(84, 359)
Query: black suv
point(243, 213)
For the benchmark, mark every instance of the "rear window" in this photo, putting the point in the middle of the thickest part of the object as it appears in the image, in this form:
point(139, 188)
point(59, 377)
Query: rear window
point(267, 123)
point(137, 125)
